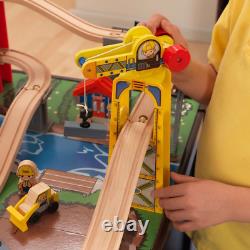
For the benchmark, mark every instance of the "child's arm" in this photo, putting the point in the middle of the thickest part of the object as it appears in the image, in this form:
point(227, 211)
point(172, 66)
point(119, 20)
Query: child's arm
point(197, 81)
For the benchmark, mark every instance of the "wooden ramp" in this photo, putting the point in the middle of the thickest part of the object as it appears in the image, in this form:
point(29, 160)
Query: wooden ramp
point(122, 176)
point(69, 21)
point(22, 108)
point(68, 181)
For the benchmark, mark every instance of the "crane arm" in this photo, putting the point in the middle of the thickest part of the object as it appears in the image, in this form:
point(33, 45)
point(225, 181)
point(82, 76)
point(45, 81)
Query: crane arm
point(140, 50)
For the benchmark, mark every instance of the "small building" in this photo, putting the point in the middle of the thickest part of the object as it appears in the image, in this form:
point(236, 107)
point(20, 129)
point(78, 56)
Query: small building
point(98, 92)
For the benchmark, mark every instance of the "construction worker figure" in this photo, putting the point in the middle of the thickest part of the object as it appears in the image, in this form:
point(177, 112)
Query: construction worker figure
point(149, 49)
point(27, 172)
point(148, 55)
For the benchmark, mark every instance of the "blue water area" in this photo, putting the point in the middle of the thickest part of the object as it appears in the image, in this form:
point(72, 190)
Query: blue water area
point(58, 152)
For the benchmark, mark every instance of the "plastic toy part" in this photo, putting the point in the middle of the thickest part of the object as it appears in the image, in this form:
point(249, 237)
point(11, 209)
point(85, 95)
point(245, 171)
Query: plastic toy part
point(28, 209)
point(161, 32)
point(101, 86)
point(27, 172)
point(82, 60)
point(139, 51)
point(176, 58)
point(85, 115)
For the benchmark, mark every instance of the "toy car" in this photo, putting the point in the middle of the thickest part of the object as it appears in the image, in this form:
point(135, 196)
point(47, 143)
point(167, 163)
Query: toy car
point(40, 198)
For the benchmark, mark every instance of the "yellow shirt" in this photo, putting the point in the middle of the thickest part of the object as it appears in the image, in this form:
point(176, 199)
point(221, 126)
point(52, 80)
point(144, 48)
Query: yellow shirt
point(224, 149)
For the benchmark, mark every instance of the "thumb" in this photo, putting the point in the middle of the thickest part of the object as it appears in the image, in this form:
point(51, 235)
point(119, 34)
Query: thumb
point(179, 178)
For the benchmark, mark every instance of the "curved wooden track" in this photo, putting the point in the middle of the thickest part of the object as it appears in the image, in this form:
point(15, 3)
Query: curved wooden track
point(22, 108)
point(121, 177)
point(69, 21)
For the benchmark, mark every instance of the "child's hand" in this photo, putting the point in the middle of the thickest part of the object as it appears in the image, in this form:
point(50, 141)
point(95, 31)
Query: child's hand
point(194, 203)
point(158, 21)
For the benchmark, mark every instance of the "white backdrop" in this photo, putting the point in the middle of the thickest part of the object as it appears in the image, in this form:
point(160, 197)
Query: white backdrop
point(194, 17)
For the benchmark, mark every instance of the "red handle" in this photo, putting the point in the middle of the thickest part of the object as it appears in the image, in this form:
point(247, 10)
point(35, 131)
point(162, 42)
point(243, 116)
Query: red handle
point(176, 58)
point(160, 32)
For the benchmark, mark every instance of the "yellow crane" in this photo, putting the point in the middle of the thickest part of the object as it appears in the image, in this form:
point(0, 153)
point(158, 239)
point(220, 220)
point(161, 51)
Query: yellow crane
point(141, 63)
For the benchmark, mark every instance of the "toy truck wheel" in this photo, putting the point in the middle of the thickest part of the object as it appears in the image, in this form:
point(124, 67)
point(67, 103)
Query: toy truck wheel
point(53, 206)
point(34, 218)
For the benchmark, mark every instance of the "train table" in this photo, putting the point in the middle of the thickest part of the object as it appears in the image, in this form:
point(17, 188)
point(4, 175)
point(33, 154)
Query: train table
point(76, 169)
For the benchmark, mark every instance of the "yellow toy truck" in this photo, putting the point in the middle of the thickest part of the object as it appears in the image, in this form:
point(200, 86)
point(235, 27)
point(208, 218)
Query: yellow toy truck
point(39, 199)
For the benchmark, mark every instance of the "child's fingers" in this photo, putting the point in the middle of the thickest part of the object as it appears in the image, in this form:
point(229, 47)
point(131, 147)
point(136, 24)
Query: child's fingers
point(179, 178)
point(178, 215)
point(173, 203)
point(154, 22)
point(168, 192)
point(169, 27)
point(174, 31)
point(148, 25)
point(186, 226)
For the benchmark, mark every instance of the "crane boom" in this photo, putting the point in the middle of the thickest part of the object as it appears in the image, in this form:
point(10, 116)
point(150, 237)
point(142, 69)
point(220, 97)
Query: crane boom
point(140, 50)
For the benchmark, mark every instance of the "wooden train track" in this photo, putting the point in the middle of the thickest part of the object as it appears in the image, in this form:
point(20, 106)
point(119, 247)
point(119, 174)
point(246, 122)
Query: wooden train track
point(26, 103)
point(69, 21)
point(69, 181)
point(22, 108)
point(122, 176)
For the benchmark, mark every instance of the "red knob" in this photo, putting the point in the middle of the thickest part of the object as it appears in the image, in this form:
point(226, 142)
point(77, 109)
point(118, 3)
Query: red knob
point(176, 58)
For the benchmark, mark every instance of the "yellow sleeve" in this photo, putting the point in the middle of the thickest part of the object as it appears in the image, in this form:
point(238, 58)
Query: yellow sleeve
point(220, 37)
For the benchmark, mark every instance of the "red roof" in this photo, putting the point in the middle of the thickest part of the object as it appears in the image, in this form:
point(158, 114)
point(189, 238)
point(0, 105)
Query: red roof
point(101, 86)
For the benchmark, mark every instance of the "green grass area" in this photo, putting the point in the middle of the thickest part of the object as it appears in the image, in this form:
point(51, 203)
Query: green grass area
point(10, 90)
point(189, 111)
point(73, 197)
point(153, 226)
point(61, 103)
point(9, 189)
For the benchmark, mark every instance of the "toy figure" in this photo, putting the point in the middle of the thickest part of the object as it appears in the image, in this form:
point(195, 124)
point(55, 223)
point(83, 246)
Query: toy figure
point(27, 172)
point(85, 115)
point(149, 54)
point(149, 49)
